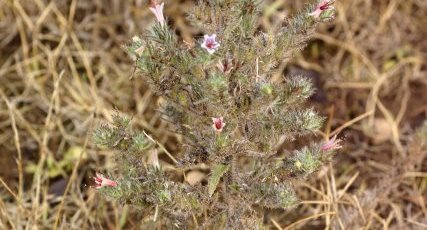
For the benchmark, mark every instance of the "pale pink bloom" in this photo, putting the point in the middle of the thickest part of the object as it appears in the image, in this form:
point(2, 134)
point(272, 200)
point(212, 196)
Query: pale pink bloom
point(323, 5)
point(102, 181)
point(218, 123)
point(209, 43)
point(157, 10)
point(331, 144)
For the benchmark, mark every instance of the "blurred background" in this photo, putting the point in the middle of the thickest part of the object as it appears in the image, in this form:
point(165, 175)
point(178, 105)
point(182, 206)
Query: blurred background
point(63, 71)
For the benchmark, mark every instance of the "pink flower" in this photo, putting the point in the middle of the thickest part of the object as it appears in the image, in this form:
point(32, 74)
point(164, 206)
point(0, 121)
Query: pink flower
point(323, 5)
point(157, 10)
point(209, 43)
point(331, 144)
point(225, 66)
point(218, 123)
point(102, 181)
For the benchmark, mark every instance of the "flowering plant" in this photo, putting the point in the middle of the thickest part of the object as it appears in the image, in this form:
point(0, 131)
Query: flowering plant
point(237, 120)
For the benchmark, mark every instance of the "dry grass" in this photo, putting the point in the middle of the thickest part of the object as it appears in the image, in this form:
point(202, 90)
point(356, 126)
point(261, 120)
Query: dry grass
point(62, 69)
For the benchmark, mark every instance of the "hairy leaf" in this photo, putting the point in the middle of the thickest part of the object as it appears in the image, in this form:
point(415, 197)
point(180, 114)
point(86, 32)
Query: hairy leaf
point(217, 172)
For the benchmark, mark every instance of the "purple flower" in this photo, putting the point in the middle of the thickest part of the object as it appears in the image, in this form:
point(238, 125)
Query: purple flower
point(323, 5)
point(331, 144)
point(157, 10)
point(209, 43)
point(218, 123)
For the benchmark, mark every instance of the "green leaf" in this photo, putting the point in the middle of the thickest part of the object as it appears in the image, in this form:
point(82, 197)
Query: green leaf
point(217, 172)
point(123, 217)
